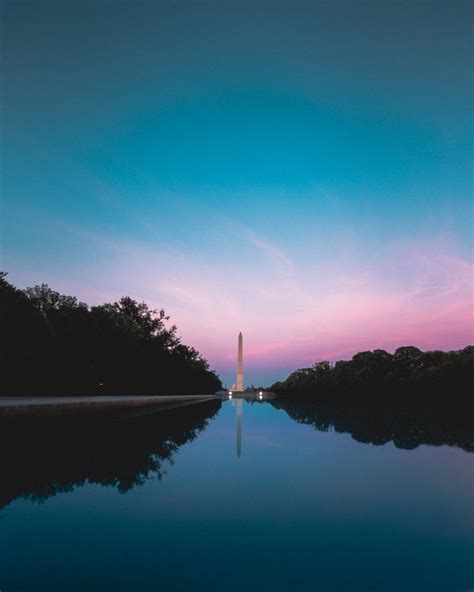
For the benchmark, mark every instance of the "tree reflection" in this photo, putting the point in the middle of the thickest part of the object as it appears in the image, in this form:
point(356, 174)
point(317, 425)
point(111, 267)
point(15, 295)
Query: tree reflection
point(40, 457)
point(406, 428)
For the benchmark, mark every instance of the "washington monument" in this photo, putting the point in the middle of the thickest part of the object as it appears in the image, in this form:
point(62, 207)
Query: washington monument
point(239, 385)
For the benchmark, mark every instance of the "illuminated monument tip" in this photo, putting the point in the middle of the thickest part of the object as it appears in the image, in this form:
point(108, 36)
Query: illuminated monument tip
point(239, 385)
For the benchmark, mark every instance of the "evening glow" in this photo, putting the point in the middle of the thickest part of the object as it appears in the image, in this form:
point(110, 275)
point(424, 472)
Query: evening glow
point(317, 199)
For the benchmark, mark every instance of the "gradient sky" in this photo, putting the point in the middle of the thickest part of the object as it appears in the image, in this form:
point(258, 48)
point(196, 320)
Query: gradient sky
point(297, 171)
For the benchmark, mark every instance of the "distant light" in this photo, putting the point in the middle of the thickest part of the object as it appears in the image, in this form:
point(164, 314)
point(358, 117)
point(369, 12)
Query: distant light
point(230, 393)
point(230, 396)
point(260, 397)
point(260, 393)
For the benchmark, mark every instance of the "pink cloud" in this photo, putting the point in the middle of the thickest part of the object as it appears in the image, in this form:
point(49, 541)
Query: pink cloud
point(292, 312)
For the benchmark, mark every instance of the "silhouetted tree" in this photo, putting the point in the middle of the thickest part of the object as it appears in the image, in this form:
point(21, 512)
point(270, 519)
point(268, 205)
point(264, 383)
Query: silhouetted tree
point(409, 375)
point(52, 343)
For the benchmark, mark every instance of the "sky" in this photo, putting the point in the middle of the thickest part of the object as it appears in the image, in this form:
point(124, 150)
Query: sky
point(300, 172)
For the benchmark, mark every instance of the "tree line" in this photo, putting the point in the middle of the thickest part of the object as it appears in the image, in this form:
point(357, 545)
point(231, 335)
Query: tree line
point(378, 376)
point(54, 344)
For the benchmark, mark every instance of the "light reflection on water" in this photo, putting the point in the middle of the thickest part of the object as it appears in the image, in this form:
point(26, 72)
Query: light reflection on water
point(282, 505)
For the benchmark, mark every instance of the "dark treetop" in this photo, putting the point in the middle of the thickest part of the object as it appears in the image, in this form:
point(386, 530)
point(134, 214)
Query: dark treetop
point(378, 376)
point(53, 344)
point(410, 397)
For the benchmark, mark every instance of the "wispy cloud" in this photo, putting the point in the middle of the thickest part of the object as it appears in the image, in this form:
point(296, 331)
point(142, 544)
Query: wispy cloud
point(293, 310)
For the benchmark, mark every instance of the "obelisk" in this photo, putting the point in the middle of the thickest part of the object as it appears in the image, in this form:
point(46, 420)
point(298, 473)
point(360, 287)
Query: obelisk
point(240, 366)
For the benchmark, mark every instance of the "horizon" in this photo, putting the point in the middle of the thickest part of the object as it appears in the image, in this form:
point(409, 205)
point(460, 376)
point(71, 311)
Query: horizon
point(300, 174)
point(285, 373)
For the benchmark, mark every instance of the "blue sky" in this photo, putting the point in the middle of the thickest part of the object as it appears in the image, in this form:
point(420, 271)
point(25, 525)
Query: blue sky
point(300, 171)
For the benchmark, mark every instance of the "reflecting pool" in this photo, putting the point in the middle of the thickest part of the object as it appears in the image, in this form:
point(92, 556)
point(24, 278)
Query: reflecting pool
point(234, 496)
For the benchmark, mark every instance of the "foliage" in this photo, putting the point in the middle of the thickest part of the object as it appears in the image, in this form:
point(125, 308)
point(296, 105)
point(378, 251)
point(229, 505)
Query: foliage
point(378, 375)
point(55, 344)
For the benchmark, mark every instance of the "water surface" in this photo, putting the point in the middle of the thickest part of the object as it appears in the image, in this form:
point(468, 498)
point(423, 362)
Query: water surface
point(181, 501)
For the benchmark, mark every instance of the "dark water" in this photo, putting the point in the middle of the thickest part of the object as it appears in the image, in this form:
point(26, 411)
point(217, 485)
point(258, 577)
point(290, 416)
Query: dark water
point(164, 502)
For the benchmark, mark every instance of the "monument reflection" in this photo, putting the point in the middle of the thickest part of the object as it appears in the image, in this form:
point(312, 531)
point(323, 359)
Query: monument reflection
point(238, 404)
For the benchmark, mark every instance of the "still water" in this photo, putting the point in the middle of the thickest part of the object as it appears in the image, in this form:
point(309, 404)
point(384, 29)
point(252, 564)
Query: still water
point(201, 499)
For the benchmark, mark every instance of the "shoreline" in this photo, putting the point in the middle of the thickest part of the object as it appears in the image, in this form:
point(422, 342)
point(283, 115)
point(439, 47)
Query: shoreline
point(65, 405)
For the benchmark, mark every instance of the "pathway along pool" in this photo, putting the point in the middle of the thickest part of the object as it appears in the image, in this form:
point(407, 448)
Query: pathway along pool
point(164, 502)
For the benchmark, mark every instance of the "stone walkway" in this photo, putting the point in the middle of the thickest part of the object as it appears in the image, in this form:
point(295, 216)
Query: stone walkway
point(63, 405)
